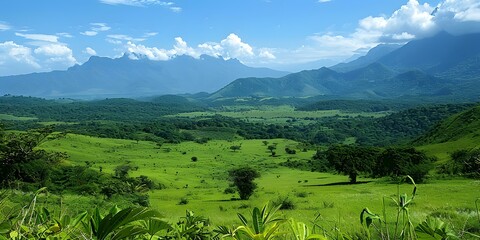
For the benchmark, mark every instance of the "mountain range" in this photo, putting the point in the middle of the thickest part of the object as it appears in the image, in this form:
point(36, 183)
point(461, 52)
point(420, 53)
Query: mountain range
point(444, 66)
point(133, 76)
point(440, 66)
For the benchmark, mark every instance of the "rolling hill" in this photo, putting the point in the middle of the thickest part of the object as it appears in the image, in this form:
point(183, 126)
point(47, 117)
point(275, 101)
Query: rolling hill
point(458, 132)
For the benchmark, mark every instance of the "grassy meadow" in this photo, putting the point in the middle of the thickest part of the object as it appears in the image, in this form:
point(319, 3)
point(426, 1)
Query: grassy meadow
point(277, 114)
point(321, 196)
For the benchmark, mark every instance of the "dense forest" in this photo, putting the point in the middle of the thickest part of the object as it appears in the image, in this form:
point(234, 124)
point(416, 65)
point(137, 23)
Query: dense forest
point(138, 120)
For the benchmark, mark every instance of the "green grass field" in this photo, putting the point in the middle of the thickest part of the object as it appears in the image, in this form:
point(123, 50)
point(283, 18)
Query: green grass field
point(9, 117)
point(203, 182)
point(276, 114)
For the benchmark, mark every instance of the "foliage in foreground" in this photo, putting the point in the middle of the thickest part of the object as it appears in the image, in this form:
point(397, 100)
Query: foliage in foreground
point(35, 222)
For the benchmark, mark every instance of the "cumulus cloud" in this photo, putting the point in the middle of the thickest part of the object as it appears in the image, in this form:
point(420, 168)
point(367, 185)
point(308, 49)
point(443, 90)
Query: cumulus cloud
point(412, 20)
point(458, 16)
point(267, 54)
point(230, 47)
point(19, 59)
point(235, 48)
point(16, 59)
point(56, 55)
point(95, 28)
point(151, 53)
point(90, 51)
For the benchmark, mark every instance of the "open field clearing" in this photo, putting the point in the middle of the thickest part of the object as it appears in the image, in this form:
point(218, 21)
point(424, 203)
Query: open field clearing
point(202, 183)
point(278, 114)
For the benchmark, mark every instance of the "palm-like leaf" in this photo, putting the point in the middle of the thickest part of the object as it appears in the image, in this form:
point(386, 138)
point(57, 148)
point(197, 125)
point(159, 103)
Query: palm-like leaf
point(111, 223)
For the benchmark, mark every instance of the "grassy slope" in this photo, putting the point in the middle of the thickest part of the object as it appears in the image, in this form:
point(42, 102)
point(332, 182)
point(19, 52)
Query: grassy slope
point(207, 180)
point(460, 131)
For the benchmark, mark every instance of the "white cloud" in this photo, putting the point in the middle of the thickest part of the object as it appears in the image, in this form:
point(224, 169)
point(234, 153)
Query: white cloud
point(235, 48)
point(63, 34)
point(324, 1)
point(4, 26)
point(151, 53)
point(100, 27)
point(181, 48)
point(89, 33)
point(459, 16)
point(267, 54)
point(90, 51)
point(39, 37)
point(56, 55)
point(403, 36)
point(144, 3)
point(176, 9)
point(16, 59)
point(95, 28)
point(412, 20)
point(230, 47)
point(123, 37)
point(150, 34)
point(211, 48)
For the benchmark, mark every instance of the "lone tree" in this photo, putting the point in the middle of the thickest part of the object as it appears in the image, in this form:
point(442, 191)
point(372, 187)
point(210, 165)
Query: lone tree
point(243, 178)
point(352, 160)
point(272, 148)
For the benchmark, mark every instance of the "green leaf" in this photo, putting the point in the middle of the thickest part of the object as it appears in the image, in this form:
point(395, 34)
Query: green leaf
point(112, 222)
point(155, 225)
point(128, 232)
point(79, 218)
point(242, 219)
point(257, 221)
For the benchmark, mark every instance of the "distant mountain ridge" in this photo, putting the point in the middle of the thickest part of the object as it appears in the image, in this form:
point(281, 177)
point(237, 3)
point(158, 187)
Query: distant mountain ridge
point(441, 66)
point(102, 76)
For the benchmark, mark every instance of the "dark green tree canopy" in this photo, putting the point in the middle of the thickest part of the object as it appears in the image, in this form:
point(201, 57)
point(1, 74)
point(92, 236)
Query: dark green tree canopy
point(243, 178)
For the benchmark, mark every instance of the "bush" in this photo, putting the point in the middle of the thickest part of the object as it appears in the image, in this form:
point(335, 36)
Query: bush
point(229, 190)
point(284, 203)
point(183, 201)
point(290, 151)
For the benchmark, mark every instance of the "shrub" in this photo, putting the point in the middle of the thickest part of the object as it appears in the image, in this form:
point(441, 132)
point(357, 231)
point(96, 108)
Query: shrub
point(183, 201)
point(290, 151)
point(229, 190)
point(284, 203)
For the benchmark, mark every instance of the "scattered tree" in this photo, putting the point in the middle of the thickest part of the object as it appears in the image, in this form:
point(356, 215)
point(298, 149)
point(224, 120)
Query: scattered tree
point(352, 160)
point(272, 148)
point(243, 178)
point(235, 147)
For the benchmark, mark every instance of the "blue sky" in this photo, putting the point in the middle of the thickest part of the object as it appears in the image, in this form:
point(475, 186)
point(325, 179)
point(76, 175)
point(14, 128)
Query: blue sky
point(37, 36)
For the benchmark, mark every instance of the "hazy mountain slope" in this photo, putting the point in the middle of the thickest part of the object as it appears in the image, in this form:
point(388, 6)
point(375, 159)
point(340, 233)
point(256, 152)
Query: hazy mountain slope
point(126, 77)
point(323, 81)
point(433, 55)
point(444, 66)
point(372, 56)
